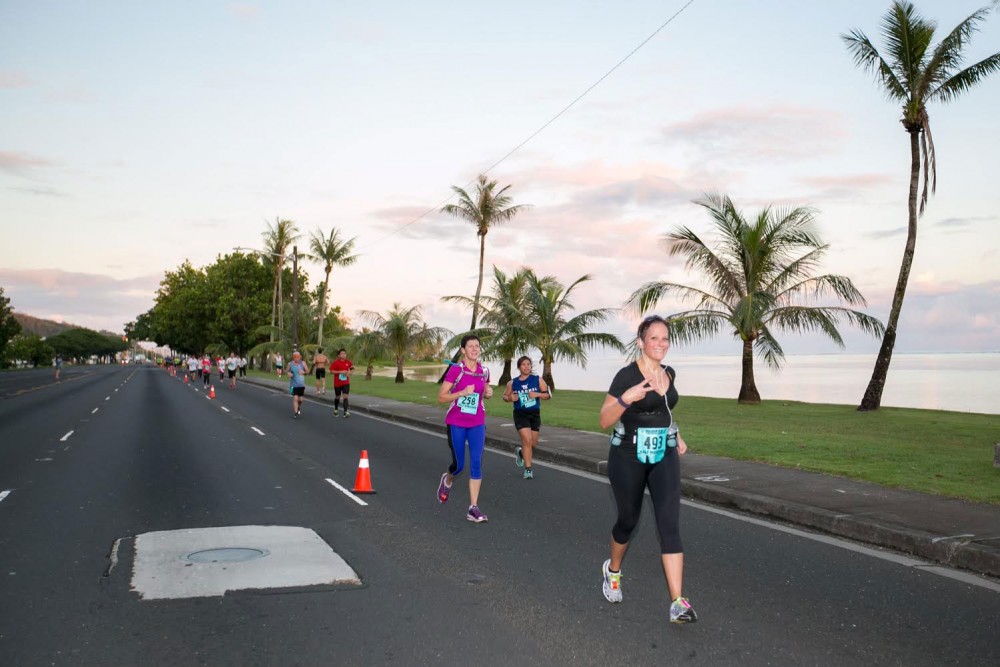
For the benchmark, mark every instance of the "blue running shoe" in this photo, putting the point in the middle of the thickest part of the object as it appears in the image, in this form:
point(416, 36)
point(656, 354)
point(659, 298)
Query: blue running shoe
point(518, 459)
point(475, 514)
point(528, 474)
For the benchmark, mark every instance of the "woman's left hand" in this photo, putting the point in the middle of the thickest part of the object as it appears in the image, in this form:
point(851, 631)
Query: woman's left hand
point(681, 445)
point(488, 392)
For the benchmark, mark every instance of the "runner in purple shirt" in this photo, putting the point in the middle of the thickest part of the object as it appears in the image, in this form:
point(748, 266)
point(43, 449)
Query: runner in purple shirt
point(465, 386)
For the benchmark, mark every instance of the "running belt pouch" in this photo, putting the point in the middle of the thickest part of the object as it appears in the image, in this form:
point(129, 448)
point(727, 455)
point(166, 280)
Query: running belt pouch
point(617, 434)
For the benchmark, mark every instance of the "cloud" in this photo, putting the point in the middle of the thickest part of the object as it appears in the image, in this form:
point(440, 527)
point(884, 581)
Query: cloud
point(11, 79)
point(42, 192)
point(766, 134)
point(93, 300)
point(244, 10)
point(850, 187)
point(420, 222)
point(885, 233)
point(19, 163)
point(963, 224)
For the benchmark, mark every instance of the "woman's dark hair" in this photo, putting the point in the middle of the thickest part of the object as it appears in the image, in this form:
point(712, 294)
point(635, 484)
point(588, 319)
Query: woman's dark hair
point(467, 337)
point(648, 322)
point(524, 358)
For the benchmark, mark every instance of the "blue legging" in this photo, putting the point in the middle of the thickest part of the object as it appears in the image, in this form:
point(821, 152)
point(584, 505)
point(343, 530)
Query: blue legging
point(476, 437)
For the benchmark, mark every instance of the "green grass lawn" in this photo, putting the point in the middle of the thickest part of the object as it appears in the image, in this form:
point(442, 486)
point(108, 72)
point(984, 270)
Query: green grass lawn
point(945, 453)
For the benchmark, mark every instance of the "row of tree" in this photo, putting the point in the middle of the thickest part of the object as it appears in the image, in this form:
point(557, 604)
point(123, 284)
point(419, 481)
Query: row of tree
point(78, 344)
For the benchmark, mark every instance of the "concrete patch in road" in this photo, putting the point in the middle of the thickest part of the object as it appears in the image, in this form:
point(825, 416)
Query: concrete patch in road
point(208, 562)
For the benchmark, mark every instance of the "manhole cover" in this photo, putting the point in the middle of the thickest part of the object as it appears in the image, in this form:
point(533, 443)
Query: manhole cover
point(226, 555)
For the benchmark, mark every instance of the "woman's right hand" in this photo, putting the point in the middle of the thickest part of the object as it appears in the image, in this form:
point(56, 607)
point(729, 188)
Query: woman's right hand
point(637, 392)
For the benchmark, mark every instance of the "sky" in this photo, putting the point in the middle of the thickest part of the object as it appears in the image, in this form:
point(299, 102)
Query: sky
point(135, 136)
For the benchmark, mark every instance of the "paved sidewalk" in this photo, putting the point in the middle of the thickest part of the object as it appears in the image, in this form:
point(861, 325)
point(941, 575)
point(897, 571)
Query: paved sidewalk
point(953, 532)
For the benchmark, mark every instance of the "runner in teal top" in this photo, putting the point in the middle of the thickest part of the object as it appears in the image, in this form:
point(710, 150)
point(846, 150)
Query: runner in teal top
point(297, 371)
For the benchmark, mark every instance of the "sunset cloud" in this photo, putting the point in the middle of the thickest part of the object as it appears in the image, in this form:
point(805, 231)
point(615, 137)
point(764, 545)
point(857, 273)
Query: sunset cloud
point(771, 133)
point(20, 163)
point(87, 299)
point(12, 79)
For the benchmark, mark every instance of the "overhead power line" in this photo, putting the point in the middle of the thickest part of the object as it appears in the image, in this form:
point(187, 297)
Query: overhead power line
point(534, 134)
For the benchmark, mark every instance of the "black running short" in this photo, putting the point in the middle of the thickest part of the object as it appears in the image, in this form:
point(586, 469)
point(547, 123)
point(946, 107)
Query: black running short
point(320, 373)
point(342, 389)
point(532, 420)
point(298, 391)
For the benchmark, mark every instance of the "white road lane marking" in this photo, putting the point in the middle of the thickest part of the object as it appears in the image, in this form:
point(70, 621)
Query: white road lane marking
point(107, 398)
point(348, 493)
point(4, 494)
point(254, 428)
point(224, 408)
point(65, 437)
point(94, 411)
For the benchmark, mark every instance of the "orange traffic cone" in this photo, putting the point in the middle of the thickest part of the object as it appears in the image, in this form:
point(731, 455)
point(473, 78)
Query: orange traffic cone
point(186, 379)
point(363, 481)
point(211, 391)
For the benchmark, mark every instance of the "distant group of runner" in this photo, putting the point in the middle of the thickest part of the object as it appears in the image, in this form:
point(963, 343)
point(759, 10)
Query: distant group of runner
point(204, 367)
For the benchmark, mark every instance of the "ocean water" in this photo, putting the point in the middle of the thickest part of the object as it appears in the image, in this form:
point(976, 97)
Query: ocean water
point(964, 382)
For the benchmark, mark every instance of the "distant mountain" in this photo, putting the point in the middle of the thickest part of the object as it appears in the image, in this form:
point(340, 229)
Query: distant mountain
point(46, 328)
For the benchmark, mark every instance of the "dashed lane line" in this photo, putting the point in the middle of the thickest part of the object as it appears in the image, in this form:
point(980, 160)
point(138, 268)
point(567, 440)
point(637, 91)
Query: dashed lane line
point(224, 408)
point(254, 428)
point(65, 437)
point(347, 493)
point(94, 411)
point(4, 494)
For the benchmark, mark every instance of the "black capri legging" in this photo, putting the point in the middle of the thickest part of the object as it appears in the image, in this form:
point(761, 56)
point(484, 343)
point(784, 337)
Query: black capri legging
point(629, 479)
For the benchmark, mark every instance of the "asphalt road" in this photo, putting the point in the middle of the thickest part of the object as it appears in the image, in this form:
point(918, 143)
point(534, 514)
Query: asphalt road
point(111, 453)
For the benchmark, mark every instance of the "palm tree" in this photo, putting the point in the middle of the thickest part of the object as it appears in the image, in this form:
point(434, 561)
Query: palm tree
point(502, 320)
point(277, 239)
point(367, 346)
point(401, 332)
point(551, 330)
point(760, 272)
point(489, 208)
point(915, 74)
point(329, 251)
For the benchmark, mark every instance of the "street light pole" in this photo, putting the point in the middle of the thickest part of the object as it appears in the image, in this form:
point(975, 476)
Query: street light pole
point(295, 297)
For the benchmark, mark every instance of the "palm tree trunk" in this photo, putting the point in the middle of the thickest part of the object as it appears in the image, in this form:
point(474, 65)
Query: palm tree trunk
point(479, 285)
point(322, 308)
point(475, 303)
point(505, 377)
point(872, 399)
point(748, 388)
point(547, 372)
point(399, 370)
point(274, 305)
point(281, 297)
